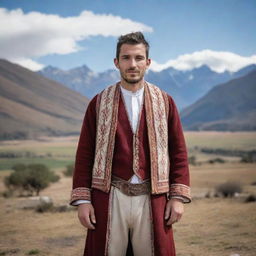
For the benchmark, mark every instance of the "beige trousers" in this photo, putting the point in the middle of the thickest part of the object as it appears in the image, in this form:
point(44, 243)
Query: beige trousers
point(130, 213)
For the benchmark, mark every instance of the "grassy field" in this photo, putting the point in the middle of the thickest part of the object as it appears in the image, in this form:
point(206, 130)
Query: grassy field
point(210, 226)
point(58, 152)
point(53, 152)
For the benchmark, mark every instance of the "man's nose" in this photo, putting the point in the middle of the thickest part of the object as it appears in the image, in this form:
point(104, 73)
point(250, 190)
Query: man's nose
point(132, 62)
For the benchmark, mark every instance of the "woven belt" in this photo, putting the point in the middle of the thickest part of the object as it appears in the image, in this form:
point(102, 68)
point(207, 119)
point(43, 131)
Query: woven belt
point(130, 189)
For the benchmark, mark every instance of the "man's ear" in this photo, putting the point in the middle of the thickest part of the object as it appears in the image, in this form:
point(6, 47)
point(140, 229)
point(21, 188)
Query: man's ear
point(116, 62)
point(148, 62)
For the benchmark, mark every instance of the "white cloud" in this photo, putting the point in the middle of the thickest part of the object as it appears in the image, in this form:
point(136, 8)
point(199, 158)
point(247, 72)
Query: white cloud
point(24, 36)
point(30, 64)
point(217, 61)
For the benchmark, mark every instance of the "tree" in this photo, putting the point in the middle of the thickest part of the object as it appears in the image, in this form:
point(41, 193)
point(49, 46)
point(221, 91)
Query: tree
point(30, 178)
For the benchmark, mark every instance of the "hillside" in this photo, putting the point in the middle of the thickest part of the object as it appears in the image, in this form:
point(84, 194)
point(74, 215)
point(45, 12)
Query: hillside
point(32, 105)
point(229, 106)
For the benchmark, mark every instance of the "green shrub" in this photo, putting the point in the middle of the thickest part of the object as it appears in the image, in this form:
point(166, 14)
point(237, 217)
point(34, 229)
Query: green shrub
point(192, 160)
point(69, 170)
point(30, 178)
point(33, 252)
point(249, 157)
point(217, 160)
point(19, 167)
point(44, 207)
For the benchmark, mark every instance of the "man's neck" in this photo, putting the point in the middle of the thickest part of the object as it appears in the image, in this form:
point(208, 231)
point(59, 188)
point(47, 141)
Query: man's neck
point(132, 87)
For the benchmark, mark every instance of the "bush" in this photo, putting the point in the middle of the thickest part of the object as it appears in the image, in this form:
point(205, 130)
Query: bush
point(30, 178)
point(19, 167)
point(217, 160)
point(250, 198)
point(69, 170)
point(249, 157)
point(228, 189)
point(7, 194)
point(192, 160)
point(17, 181)
point(44, 207)
point(33, 252)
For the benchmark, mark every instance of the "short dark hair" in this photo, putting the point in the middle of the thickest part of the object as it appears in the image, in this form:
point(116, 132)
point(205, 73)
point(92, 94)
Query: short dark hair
point(132, 38)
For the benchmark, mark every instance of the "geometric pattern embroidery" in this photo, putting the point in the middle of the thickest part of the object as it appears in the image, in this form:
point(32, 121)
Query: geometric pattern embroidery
point(180, 190)
point(105, 135)
point(80, 193)
point(158, 138)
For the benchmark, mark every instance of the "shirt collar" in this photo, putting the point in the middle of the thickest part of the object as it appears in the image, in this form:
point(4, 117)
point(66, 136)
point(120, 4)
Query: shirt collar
point(130, 93)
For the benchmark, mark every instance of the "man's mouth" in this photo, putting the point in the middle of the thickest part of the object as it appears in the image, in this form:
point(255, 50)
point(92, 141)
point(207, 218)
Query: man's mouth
point(132, 72)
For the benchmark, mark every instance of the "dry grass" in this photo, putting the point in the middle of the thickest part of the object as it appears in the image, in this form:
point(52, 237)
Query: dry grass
point(217, 227)
point(225, 140)
point(210, 226)
point(206, 177)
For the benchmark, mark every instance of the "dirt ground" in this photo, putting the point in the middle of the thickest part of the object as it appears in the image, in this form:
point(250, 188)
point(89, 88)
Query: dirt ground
point(209, 227)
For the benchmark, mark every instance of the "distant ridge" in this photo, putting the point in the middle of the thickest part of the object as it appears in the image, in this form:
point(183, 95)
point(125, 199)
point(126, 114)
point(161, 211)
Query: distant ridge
point(185, 87)
point(32, 105)
point(229, 106)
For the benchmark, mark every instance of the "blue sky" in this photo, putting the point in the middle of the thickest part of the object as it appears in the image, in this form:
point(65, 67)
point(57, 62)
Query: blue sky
point(182, 33)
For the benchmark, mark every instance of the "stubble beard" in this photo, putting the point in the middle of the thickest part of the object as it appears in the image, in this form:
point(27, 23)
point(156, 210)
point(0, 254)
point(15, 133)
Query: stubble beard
point(130, 80)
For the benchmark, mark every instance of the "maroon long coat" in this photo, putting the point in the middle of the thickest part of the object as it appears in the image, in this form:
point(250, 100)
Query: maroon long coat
point(122, 167)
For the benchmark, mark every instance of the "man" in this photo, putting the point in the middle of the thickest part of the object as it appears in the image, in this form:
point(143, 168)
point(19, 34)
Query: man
point(131, 173)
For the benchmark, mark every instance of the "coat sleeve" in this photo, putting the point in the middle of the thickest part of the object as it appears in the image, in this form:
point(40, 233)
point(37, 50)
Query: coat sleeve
point(85, 156)
point(179, 170)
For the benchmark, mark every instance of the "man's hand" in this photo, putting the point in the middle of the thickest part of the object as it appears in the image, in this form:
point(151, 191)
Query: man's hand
point(86, 215)
point(173, 211)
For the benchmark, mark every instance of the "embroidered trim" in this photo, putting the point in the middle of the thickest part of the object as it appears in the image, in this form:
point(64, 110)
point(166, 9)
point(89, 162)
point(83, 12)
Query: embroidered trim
point(105, 137)
point(97, 108)
point(151, 227)
point(80, 193)
point(136, 165)
point(136, 159)
point(135, 137)
point(110, 205)
point(181, 190)
point(166, 102)
point(158, 138)
point(156, 113)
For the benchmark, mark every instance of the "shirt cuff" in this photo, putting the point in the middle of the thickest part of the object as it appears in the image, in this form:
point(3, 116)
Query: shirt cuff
point(77, 202)
point(178, 197)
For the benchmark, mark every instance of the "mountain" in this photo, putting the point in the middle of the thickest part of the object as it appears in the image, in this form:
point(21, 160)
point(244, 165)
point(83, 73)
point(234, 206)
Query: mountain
point(185, 86)
point(229, 106)
point(81, 79)
point(32, 105)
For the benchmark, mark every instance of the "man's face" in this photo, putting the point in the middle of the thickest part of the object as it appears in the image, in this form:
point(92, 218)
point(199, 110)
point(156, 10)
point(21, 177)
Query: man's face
point(132, 62)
